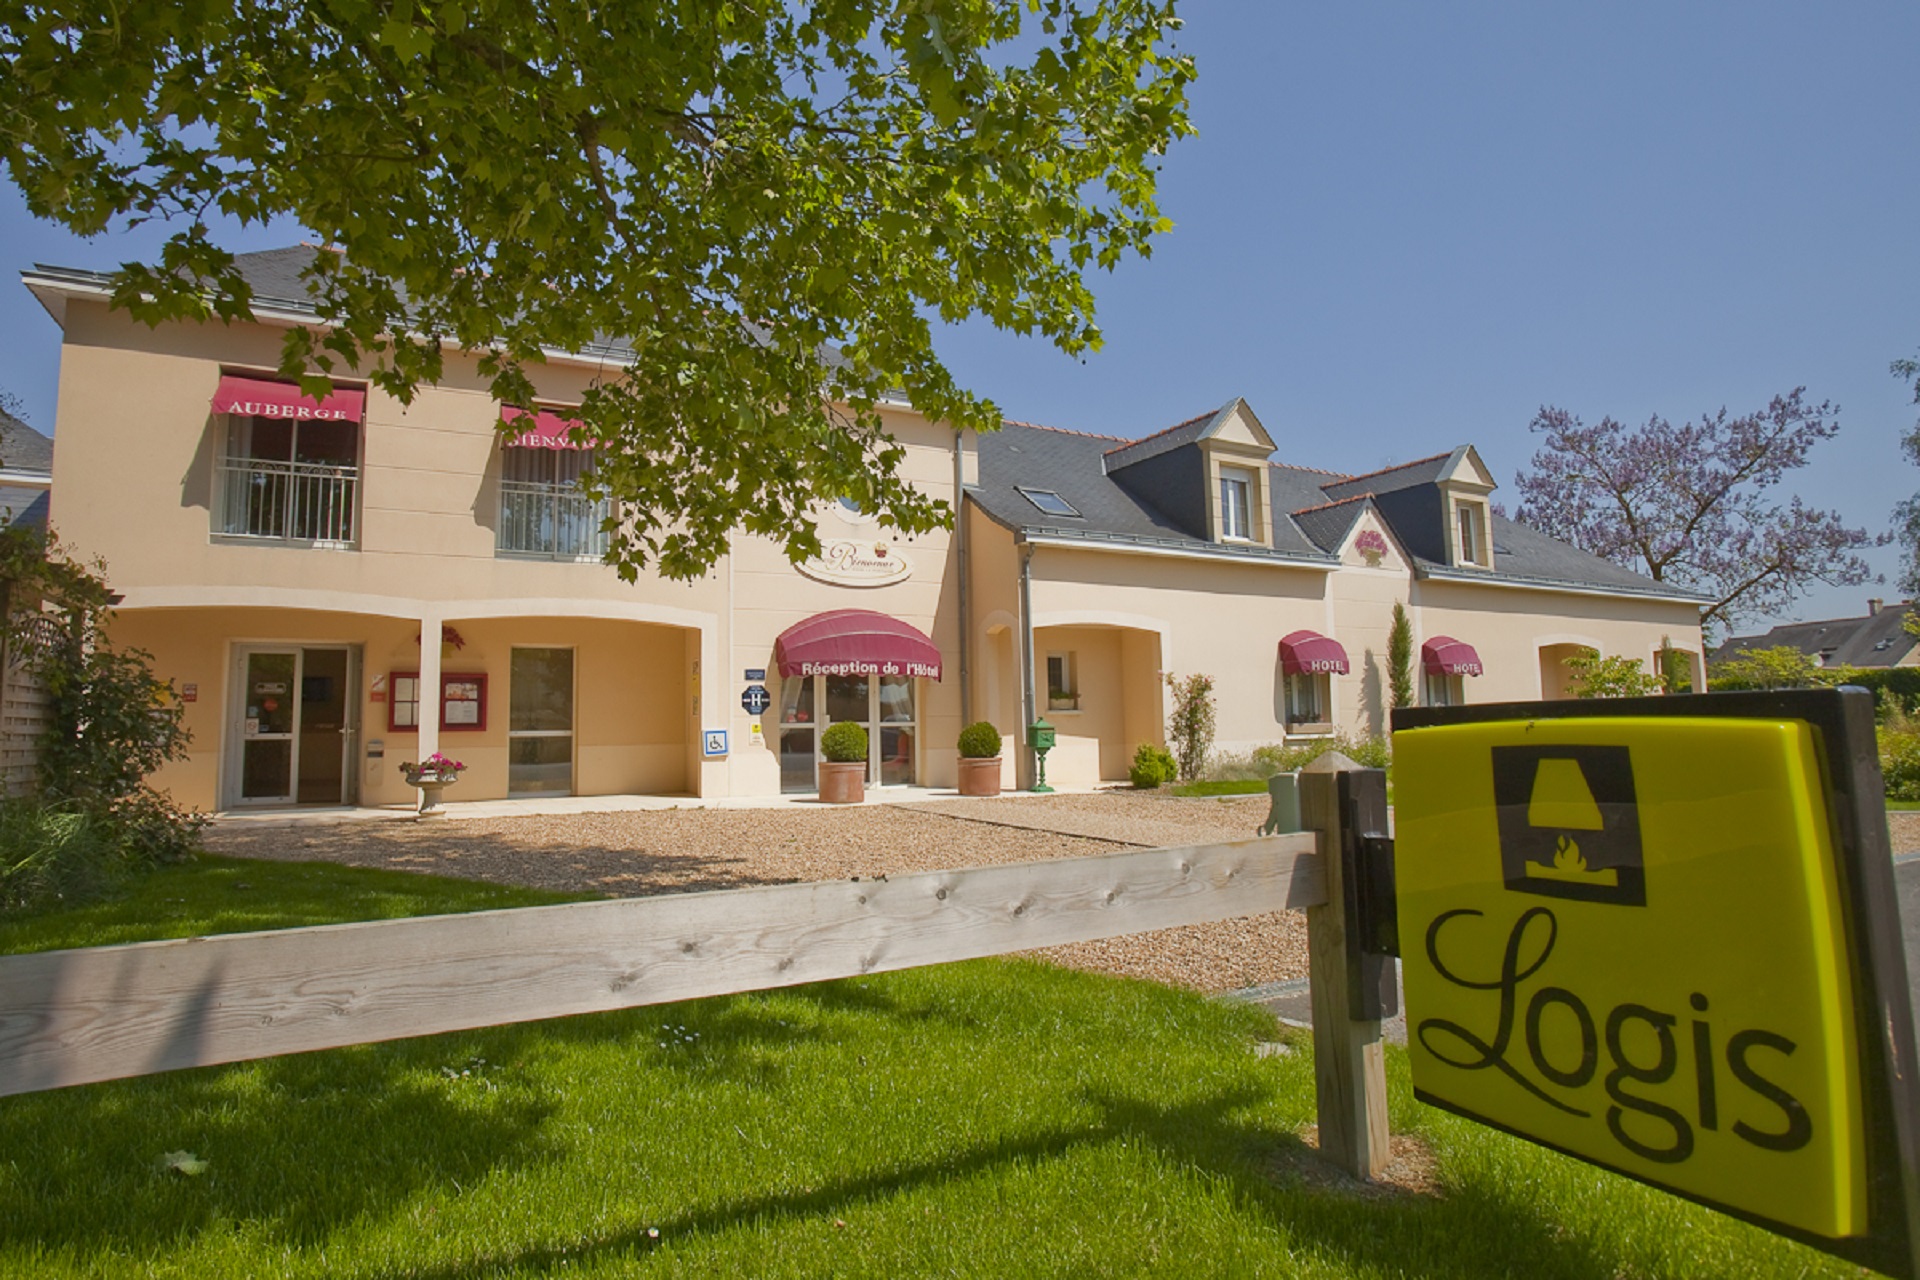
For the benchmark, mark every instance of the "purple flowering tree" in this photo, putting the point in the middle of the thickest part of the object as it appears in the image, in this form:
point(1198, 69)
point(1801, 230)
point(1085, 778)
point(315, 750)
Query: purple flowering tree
point(1906, 516)
point(1694, 505)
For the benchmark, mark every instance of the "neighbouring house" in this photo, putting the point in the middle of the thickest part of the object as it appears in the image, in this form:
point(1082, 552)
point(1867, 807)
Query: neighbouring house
point(1877, 638)
point(338, 586)
point(26, 473)
point(26, 483)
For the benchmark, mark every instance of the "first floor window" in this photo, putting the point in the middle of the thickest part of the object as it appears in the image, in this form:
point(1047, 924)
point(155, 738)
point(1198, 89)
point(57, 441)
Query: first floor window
point(1445, 690)
point(543, 511)
point(1309, 700)
point(288, 478)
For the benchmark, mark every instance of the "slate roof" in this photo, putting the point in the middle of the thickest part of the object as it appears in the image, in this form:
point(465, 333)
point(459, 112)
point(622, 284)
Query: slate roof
point(1180, 433)
point(22, 448)
point(1071, 464)
point(1874, 640)
point(274, 276)
point(1404, 475)
point(1314, 510)
point(1328, 524)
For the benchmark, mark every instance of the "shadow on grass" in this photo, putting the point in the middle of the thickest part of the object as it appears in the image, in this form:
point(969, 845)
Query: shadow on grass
point(1418, 1235)
point(297, 1146)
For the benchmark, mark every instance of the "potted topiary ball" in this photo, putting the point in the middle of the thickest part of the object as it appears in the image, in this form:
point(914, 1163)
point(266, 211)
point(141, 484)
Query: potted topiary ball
point(980, 760)
point(843, 774)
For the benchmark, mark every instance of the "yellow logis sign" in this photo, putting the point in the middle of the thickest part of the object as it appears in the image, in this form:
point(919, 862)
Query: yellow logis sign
point(1623, 937)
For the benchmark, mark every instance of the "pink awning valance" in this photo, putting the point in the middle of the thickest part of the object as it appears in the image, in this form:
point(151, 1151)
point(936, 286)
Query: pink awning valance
point(259, 398)
point(542, 428)
point(1445, 656)
point(855, 642)
point(1310, 653)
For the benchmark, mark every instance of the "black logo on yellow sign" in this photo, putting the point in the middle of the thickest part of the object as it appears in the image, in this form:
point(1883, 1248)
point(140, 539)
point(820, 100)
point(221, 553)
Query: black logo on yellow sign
point(1569, 824)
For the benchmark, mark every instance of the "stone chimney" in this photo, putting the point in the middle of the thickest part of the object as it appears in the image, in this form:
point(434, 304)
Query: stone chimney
point(1874, 605)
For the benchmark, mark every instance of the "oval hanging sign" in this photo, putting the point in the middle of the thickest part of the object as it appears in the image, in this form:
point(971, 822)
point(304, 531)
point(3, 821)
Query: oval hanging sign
point(857, 562)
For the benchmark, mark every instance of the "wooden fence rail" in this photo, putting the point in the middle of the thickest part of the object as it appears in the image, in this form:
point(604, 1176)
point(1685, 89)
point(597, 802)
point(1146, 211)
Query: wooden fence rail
point(73, 1017)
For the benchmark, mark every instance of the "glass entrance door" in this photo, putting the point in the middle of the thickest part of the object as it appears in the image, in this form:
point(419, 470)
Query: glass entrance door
point(294, 714)
point(882, 705)
point(268, 709)
point(540, 723)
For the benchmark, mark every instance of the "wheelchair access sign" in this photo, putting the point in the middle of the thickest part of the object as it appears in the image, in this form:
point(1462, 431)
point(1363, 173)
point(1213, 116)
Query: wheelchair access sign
point(1658, 934)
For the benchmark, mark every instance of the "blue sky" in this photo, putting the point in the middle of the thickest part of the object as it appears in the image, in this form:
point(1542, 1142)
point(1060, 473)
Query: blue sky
point(1406, 227)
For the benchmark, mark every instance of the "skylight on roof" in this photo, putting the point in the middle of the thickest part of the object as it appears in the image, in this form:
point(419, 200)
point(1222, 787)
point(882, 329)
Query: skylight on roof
point(1048, 501)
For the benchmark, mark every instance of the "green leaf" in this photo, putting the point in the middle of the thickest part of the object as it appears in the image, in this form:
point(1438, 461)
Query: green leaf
point(185, 1163)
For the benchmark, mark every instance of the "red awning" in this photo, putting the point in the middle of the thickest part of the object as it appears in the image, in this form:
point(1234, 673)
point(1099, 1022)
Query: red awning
point(855, 642)
point(258, 398)
point(1310, 653)
point(1445, 656)
point(546, 430)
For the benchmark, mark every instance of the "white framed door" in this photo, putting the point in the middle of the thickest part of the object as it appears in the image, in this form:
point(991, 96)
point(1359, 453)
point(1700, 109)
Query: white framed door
point(293, 722)
point(540, 698)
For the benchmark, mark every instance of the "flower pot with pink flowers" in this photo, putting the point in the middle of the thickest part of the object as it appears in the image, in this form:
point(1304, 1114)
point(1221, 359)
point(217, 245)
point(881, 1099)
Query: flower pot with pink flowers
point(432, 776)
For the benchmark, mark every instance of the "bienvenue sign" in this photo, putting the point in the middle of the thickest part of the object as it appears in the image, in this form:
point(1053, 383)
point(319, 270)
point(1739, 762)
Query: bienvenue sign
point(1636, 938)
point(853, 562)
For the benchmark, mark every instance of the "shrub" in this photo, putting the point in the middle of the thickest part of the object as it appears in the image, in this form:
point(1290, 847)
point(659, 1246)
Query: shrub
point(1615, 677)
point(844, 743)
point(1779, 667)
point(1152, 767)
point(1190, 727)
point(1291, 757)
point(111, 722)
point(979, 741)
point(1400, 657)
point(1899, 738)
point(54, 855)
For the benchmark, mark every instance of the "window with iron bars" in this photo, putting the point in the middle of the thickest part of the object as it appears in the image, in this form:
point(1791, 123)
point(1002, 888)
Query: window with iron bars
point(542, 509)
point(289, 481)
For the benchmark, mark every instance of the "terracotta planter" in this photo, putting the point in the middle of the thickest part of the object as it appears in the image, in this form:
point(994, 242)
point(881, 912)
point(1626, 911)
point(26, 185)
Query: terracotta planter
point(980, 777)
point(843, 783)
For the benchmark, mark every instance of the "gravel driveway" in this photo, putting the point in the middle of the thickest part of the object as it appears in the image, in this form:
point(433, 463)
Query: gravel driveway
point(634, 854)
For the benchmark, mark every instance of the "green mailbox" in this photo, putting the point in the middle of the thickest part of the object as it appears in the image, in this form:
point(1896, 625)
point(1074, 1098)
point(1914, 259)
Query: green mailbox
point(1040, 738)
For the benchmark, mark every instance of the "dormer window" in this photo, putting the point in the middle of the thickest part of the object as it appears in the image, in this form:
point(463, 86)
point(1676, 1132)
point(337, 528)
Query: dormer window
point(1236, 504)
point(1471, 533)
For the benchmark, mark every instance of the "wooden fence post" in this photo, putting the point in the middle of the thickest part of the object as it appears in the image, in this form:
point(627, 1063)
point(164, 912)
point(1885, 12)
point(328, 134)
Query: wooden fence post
point(1349, 1068)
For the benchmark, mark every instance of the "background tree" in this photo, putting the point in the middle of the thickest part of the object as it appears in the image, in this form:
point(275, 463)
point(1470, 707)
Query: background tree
point(1777, 667)
point(731, 188)
point(1691, 505)
point(1400, 657)
point(1906, 516)
point(1615, 677)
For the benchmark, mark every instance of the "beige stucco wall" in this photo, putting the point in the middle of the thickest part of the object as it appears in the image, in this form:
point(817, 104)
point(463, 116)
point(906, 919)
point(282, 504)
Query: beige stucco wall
point(630, 716)
point(1509, 627)
point(770, 594)
point(1222, 618)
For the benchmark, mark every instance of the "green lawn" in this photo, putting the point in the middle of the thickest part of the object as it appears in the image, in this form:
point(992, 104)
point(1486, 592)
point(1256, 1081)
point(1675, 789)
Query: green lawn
point(992, 1119)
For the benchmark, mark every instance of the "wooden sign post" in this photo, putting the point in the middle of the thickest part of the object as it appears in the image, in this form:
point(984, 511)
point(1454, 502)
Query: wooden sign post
point(1349, 1066)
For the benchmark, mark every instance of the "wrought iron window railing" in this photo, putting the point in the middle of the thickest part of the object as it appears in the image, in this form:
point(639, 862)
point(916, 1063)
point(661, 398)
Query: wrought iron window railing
point(546, 519)
point(288, 501)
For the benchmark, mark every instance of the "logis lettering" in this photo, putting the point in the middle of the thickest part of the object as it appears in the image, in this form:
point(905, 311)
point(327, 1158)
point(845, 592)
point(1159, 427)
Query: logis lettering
point(1643, 1124)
